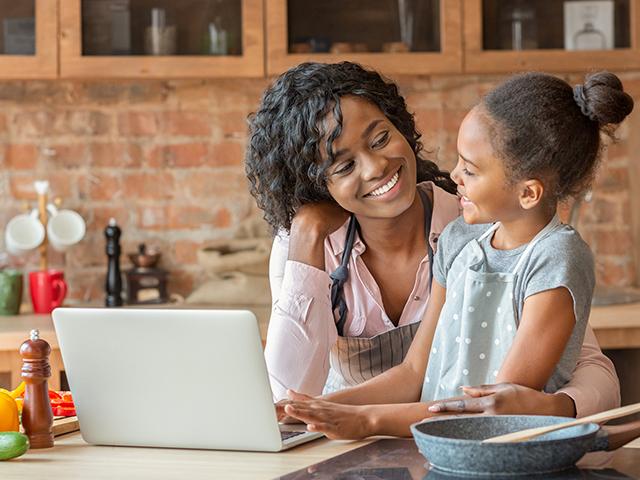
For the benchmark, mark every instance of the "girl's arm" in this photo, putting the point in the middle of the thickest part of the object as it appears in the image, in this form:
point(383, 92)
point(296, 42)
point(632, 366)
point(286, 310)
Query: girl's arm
point(547, 322)
point(386, 404)
point(402, 383)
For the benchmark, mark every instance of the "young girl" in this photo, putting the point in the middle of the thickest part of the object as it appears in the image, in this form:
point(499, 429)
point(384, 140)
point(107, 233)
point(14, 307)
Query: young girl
point(512, 285)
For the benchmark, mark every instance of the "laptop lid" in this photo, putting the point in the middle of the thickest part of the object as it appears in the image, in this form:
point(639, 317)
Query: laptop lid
point(168, 378)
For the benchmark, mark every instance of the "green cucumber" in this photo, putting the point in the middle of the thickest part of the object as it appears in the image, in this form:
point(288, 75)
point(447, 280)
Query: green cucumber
point(12, 445)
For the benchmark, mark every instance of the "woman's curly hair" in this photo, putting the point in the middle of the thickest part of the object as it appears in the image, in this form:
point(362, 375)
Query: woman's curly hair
point(283, 161)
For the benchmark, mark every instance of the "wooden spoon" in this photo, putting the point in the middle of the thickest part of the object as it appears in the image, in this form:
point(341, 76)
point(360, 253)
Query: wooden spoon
point(530, 433)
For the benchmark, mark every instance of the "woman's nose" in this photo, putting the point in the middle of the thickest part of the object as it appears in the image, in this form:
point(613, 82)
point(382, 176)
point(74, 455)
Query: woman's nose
point(374, 166)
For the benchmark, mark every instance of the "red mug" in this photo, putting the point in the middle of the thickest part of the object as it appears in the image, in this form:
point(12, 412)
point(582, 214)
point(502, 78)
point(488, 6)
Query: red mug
point(48, 290)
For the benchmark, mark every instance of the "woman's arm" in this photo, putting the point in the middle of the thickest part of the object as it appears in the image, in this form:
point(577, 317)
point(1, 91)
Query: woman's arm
point(546, 325)
point(300, 331)
point(594, 386)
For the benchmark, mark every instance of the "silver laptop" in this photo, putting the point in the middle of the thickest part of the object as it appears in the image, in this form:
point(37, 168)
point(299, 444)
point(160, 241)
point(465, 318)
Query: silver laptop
point(171, 378)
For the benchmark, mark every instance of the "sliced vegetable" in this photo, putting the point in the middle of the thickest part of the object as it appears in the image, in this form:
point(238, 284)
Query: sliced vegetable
point(12, 445)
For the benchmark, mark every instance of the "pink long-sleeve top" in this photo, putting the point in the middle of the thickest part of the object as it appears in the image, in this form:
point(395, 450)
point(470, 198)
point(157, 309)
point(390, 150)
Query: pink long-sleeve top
point(302, 329)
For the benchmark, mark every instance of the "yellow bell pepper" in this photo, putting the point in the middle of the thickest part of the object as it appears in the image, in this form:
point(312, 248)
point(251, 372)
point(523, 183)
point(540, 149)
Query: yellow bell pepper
point(8, 414)
point(19, 391)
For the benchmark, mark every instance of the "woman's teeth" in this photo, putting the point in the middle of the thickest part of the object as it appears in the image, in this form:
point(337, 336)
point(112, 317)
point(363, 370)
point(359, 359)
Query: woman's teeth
point(385, 188)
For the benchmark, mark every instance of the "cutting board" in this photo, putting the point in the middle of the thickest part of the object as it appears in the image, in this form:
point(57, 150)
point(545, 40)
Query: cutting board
point(63, 425)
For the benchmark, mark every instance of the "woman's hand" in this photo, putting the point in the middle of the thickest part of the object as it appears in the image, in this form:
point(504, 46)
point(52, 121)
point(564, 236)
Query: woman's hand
point(323, 218)
point(336, 421)
point(507, 398)
point(312, 223)
point(293, 397)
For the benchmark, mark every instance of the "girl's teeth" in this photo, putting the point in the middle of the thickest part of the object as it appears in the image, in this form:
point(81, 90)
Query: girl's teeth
point(385, 188)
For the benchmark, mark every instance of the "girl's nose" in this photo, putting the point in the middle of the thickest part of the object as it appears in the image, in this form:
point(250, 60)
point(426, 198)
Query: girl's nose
point(456, 176)
point(374, 166)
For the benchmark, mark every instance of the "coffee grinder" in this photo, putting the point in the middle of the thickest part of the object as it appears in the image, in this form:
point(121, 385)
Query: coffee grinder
point(146, 284)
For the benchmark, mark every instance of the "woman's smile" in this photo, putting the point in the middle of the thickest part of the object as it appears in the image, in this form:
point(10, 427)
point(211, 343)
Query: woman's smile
point(388, 188)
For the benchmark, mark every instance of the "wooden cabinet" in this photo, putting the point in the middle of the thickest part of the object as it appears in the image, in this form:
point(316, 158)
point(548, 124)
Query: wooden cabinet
point(29, 39)
point(163, 38)
point(517, 35)
point(256, 38)
point(399, 37)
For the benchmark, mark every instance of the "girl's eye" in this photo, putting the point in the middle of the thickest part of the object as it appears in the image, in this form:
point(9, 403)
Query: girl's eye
point(381, 140)
point(344, 168)
point(467, 172)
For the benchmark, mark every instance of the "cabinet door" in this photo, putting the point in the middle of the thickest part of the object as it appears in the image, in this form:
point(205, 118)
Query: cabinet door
point(393, 36)
point(161, 38)
point(571, 35)
point(28, 42)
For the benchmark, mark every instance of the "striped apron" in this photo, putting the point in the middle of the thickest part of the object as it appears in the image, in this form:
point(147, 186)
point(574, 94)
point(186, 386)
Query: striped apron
point(354, 360)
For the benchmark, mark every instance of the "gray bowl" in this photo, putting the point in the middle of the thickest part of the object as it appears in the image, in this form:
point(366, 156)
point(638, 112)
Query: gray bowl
point(454, 445)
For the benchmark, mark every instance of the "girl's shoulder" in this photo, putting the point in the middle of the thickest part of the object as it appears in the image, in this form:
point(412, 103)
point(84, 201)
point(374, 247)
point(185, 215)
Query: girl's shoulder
point(566, 242)
point(458, 233)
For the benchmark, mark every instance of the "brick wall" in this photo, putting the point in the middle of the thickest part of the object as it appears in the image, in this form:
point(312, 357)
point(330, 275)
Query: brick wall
point(165, 159)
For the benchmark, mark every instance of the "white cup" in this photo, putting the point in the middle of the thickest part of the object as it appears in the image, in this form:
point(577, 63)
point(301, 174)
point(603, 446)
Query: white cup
point(23, 233)
point(65, 228)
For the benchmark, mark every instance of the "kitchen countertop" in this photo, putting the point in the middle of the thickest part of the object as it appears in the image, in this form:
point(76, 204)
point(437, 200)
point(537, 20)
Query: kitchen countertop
point(72, 458)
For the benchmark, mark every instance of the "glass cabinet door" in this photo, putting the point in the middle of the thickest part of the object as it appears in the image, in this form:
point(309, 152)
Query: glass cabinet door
point(28, 30)
point(568, 35)
point(189, 38)
point(397, 36)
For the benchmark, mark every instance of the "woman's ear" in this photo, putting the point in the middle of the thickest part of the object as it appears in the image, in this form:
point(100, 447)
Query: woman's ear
point(531, 193)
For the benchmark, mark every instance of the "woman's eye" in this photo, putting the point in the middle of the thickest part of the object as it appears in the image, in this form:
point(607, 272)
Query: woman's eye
point(467, 172)
point(381, 140)
point(344, 168)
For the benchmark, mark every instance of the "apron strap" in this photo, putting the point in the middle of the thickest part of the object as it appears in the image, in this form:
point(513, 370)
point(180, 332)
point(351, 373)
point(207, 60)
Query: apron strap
point(340, 275)
point(552, 225)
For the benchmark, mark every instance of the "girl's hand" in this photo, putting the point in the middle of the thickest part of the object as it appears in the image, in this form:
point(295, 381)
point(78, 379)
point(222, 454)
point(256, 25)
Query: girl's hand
point(336, 421)
point(507, 398)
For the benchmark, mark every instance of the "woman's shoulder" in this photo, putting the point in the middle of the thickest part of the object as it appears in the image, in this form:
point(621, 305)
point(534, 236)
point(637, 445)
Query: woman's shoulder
point(446, 206)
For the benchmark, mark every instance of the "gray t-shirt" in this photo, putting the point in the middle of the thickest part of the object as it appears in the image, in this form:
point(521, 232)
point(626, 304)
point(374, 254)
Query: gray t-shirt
point(561, 259)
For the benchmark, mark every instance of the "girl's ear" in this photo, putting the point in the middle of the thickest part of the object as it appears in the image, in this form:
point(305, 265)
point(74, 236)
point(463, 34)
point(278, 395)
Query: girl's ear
point(531, 193)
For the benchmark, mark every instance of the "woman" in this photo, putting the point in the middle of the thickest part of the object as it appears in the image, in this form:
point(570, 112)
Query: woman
point(351, 263)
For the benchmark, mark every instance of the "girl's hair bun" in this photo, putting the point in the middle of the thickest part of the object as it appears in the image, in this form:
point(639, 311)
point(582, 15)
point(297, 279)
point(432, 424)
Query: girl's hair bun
point(602, 99)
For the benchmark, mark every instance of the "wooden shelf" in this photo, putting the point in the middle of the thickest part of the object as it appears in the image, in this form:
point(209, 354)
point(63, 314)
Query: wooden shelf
point(478, 60)
point(44, 64)
point(448, 60)
point(73, 64)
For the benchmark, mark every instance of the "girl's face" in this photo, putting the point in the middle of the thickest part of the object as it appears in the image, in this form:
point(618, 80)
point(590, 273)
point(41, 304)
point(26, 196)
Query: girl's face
point(374, 172)
point(486, 196)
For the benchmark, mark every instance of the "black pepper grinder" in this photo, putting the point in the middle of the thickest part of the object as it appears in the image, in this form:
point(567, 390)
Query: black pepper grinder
point(113, 284)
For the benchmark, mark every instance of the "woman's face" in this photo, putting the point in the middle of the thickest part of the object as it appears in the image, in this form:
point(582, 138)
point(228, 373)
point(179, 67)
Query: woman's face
point(374, 172)
point(480, 175)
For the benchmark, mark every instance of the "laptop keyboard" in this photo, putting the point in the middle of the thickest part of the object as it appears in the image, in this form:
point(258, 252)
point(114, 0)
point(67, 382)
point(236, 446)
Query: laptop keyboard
point(286, 435)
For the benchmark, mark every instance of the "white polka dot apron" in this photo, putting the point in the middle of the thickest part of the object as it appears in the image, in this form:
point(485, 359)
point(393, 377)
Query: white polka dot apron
point(478, 321)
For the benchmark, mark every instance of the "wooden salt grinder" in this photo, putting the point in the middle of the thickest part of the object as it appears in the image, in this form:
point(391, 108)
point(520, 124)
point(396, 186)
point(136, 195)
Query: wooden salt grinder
point(37, 418)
